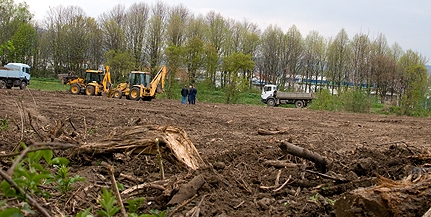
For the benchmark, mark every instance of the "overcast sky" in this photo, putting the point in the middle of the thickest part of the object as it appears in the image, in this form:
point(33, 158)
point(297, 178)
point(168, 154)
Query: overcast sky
point(401, 21)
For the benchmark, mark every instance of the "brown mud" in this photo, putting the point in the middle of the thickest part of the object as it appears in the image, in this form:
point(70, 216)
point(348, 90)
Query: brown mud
point(236, 180)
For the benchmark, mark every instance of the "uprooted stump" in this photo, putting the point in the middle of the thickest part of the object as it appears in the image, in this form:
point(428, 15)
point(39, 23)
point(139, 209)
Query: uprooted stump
point(389, 198)
point(174, 144)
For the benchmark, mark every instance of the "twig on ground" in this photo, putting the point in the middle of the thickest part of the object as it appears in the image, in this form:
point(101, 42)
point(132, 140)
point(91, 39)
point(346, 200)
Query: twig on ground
point(142, 186)
point(22, 120)
point(32, 97)
point(326, 176)
point(44, 146)
point(196, 210)
point(71, 123)
point(115, 188)
point(237, 206)
point(181, 206)
point(35, 130)
point(277, 182)
point(159, 159)
point(284, 184)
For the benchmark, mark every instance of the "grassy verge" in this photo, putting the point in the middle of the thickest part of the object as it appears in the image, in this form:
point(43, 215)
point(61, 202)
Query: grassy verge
point(48, 84)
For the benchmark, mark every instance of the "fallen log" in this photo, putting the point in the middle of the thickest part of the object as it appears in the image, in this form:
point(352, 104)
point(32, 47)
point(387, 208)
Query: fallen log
point(280, 164)
point(188, 190)
point(271, 132)
point(289, 148)
point(174, 144)
point(388, 198)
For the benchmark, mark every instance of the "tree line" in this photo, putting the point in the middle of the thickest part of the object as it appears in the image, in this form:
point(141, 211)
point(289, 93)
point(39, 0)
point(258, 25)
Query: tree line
point(209, 46)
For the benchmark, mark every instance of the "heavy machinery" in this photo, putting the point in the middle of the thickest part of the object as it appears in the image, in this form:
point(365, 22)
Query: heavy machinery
point(139, 85)
point(272, 97)
point(96, 82)
point(14, 75)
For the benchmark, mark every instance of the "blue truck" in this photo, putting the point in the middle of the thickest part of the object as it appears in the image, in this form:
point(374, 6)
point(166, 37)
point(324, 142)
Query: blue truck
point(14, 75)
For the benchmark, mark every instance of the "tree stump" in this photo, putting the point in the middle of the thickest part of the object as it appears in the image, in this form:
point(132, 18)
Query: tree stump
point(388, 198)
point(174, 144)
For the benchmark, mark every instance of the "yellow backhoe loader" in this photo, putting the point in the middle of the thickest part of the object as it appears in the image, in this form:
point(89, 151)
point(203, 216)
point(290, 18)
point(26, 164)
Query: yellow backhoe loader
point(96, 82)
point(139, 86)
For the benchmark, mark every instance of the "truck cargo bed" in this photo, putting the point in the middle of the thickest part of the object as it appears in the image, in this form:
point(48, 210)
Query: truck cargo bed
point(294, 95)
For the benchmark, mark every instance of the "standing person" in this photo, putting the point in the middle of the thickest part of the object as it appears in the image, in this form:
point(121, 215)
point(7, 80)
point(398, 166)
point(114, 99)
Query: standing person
point(184, 94)
point(194, 92)
point(190, 98)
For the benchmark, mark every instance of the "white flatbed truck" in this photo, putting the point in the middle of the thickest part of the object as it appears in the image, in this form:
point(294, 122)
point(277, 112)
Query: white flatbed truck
point(272, 97)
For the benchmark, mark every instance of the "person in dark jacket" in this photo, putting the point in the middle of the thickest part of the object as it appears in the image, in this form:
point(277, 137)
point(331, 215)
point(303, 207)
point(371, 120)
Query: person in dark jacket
point(190, 98)
point(193, 93)
point(184, 94)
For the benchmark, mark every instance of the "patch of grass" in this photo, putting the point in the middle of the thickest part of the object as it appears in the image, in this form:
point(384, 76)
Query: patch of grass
point(48, 84)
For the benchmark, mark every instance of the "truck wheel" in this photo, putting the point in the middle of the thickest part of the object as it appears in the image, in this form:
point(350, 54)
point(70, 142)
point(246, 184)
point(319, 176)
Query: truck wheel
point(23, 85)
point(89, 90)
point(270, 102)
point(299, 104)
point(117, 94)
point(135, 94)
point(75, 89)
point(2, 84)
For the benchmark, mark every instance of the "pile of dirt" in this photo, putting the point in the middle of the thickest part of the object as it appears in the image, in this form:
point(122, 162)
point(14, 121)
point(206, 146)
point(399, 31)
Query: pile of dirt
point(243, 170)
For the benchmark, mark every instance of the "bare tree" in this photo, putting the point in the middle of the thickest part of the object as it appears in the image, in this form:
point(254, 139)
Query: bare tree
point(135, 27)
point(271, 50)
point(178, 20)
point(113, 23)
point(67, 33)
point(361, 60)
point(338, 60)
point(313, 60)
point(156, 30)
point(291, 56)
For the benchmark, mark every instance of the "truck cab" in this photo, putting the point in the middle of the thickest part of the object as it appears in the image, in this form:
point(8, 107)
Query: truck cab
point(14, 75)
point(268, 92)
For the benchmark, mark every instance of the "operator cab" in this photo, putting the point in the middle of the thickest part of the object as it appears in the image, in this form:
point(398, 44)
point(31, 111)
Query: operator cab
point(138, 78)
point(94, 76)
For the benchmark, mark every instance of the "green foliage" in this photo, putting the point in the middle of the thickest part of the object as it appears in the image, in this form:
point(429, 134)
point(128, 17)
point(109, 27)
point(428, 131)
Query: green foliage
point(4, 125)
point(31, 173)
point(193, 56)
point(235, 64)
point(356, 101)
point(416, 88)
point(47, 84)
point(332, 202)
point(85, 213)
point(91, 130)
point(174, 61)
point(64, 181)
point(154, 213)
point(315, 197)
point(7, 212)
point(11, 212)
point(326, 101)
point(108, 204)
point(350, 100)
point(121, 64)
point(24, 41)
point(134, 204)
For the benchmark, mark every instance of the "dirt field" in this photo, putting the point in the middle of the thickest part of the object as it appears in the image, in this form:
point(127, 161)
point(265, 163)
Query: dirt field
point(237, 182)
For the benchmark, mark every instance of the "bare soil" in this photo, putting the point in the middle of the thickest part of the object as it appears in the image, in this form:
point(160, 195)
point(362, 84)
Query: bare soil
point(236, 182)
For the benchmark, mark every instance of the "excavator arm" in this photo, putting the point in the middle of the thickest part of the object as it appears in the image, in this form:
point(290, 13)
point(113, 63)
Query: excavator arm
point(158, 79)
point(107, 80)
